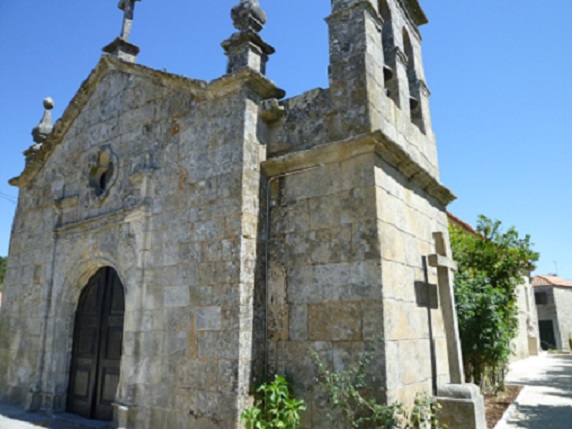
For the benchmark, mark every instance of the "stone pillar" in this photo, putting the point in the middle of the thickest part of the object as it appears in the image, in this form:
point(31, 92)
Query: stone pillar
point(123, 50)
point(400, 83)
point(246, 49)
point(462, 407)
point(356, 66)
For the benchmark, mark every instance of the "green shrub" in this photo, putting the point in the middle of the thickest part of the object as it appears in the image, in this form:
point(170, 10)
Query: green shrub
point(354, 407)
point(491, 265)
point(274, 409)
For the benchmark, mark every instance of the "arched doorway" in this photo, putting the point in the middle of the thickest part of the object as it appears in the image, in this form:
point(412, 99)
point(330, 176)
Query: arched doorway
point(97, 346)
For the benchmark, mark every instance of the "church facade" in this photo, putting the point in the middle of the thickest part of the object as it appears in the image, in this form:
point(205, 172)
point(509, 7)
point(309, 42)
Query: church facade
point(177, 241)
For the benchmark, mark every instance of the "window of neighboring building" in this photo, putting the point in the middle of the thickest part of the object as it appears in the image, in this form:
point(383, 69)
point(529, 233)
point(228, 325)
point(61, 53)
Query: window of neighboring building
point(541, 298)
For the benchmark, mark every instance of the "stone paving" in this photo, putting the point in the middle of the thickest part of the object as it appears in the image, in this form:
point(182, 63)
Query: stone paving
point(546, 402)
point(15, 418)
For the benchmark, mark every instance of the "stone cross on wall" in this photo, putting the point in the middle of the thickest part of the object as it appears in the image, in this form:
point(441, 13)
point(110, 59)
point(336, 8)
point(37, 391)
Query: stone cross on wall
point(128, 8)
point(445, 266)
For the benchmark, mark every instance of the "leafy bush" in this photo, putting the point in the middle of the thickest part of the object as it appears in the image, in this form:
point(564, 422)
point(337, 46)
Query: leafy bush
point(491, 266)
point(350, 398)
point(275, 409)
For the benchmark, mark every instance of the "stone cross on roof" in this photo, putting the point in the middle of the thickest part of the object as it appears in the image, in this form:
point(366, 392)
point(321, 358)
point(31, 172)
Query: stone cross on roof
point(120, 47)
point(128, 8)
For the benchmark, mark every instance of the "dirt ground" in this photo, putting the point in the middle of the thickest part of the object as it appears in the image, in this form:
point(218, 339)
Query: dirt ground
point(495, 406)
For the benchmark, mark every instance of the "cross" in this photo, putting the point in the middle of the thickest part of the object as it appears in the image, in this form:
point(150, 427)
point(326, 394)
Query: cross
point(445, 266)
point(128, 8)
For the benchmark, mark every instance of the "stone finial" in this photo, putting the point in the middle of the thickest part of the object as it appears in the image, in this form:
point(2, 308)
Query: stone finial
point(247, 15)
point(44, 128)
point(246, 49)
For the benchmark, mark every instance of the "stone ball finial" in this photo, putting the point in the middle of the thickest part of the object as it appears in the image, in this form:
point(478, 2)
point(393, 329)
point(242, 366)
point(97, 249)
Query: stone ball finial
point(248, 15)
point(48, 103)
point(45, 127)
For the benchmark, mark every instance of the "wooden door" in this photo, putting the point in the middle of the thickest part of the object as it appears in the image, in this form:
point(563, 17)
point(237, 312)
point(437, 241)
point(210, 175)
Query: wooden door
point(96, 355)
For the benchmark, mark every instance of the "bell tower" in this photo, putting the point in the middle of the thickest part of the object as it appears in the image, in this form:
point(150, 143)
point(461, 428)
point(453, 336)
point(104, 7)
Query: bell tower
point(376, 74)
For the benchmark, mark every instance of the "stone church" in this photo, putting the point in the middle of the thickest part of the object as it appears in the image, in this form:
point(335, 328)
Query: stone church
point(178, 241)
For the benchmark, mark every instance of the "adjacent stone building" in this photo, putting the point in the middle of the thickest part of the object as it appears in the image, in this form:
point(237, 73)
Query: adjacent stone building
point(176, 240)
point(527, 341)
point(553, 297)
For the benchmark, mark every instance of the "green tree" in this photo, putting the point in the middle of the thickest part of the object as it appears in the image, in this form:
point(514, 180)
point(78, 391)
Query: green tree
point(3, 261)
point(491, 265)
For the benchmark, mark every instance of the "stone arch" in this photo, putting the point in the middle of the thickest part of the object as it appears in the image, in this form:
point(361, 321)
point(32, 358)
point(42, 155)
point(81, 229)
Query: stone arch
point(384, 10)
point(75, 277)
point(408, 49)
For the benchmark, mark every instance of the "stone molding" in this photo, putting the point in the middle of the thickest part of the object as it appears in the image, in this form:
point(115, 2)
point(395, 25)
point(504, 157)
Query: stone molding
point(414, 14)
point(360, 5)
point(101, 221)
point(399, 56)
point(122, 49)
point(376, 142)
point(423, 88)
point(248, 37)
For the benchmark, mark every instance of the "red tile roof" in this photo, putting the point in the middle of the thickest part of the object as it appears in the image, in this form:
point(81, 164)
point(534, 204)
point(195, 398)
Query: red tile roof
point(550, 280)
point(461, 224)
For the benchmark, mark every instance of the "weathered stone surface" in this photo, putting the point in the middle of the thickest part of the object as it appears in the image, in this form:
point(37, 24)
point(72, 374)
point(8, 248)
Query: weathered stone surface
point(462, 406)
point(246, 231)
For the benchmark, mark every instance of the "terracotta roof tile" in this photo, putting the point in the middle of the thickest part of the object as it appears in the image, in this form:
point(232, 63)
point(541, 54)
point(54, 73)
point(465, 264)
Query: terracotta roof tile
point(550, 280)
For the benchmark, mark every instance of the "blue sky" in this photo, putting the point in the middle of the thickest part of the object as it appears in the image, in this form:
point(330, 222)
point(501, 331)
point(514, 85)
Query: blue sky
point(499, 72)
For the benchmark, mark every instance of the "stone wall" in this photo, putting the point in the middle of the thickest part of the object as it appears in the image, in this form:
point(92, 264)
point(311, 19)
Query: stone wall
point(346, 273)
point(406, 219)
point(549, 311)
point(527, 340)
point(563, 299)
point(178, 221)
point(212, 200)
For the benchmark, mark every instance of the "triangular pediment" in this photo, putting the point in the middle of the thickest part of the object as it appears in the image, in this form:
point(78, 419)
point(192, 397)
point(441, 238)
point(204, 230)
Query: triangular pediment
point(106, 65)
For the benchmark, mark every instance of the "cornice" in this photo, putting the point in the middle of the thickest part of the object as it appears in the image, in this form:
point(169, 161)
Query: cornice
point(375, 142)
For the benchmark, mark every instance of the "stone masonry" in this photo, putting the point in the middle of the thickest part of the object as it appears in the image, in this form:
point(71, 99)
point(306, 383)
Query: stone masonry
point(553, 296)
point(246, 229)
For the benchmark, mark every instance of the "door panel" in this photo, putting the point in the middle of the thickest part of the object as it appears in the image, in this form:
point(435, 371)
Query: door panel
point(98, 339)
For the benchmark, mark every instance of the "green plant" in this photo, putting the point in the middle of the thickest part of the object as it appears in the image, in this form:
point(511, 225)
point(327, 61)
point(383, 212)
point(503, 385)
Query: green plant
point(354, 406)
point(491, 265)
point(347, 395)
point(275, 408)
point(570, 343)
point(424, 414)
